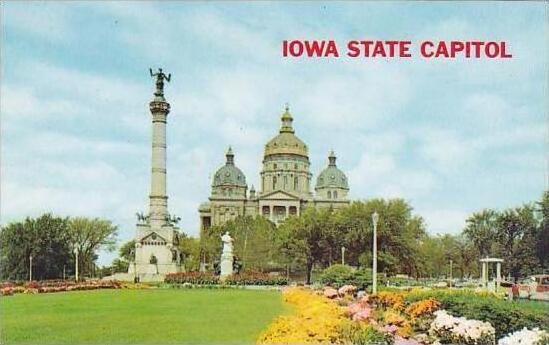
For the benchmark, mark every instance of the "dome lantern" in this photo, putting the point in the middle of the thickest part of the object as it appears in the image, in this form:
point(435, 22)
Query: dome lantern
point(287, 120)
point(230, 156)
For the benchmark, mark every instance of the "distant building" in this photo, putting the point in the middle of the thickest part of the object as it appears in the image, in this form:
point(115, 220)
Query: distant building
point(285, 183)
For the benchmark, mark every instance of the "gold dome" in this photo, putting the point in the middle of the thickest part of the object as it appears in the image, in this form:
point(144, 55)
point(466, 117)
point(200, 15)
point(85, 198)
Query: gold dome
point(286, 142)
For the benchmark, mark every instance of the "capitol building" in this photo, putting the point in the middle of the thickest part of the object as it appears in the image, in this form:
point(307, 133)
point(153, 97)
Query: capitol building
point(285, 181)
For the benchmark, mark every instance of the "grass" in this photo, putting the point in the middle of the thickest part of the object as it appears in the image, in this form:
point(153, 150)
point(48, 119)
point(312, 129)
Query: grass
point(139, 316)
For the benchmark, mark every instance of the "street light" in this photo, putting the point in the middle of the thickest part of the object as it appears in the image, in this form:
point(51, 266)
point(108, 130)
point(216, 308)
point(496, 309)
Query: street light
point(450, 273)
point(30, 267)
point(76, 262)
point(375, 218)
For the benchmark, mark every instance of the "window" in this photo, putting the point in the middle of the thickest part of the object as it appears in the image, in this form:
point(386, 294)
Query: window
point(274, 182)
point(285, 181)
point(335, 194)
point(329, 194)
point(274, 166)
point(295, 183)
point(295, 166)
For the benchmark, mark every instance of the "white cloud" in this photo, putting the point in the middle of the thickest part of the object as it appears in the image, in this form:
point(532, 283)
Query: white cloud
point(441, 221)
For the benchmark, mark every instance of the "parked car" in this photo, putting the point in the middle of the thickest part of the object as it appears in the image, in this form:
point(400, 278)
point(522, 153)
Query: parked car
point(535, 287)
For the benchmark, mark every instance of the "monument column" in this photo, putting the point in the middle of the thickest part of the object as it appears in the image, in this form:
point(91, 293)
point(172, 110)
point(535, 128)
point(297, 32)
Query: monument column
point(158, 200)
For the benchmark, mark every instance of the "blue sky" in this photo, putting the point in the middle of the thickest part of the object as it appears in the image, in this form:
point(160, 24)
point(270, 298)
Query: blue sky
point(449, 136)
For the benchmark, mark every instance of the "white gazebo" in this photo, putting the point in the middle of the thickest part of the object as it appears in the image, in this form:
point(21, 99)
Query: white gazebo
point(485, 268)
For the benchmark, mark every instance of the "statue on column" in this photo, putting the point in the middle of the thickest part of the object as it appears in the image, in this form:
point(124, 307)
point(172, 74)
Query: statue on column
point(160, 77)
point(227, 258)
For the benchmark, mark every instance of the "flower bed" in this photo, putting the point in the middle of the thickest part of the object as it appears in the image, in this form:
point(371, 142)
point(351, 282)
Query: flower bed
point(255, 279)
point(449, 329)
point(390, 318)
point(196, 278)
point(526, 337)
point(208, 279)
point(316, 320)
point(505, 316)
point(48, 286)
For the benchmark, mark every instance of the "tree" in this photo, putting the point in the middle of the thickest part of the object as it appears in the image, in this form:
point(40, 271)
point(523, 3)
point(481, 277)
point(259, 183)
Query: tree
point(516, 235)
point(89, 235)
point(127, 251)
point(305, 237)
point(45, 238)
point(481, 230)
point(190, 248)
point(252, 241)
point(399, 234)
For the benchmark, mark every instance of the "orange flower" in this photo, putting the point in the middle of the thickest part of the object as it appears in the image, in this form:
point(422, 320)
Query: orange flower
point(423, 307)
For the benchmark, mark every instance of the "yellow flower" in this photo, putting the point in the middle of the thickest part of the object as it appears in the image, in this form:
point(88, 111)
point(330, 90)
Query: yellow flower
point(316, 320)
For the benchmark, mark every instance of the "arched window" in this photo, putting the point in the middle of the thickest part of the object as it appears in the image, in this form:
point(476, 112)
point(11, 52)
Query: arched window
point(335, 194)
point(274, 182)
point(329, 194)
point(295, 183)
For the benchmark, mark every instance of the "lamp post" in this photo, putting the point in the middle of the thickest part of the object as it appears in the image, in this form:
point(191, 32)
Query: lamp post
point(342, 255)
point(30, 267)
point(375, 218)
point(76, 263)
point(451, 272)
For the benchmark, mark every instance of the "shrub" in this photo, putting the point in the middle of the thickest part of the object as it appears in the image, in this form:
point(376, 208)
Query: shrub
point(199, 278)
point(505, 316)
point(255, 278)
point(422, 307)
point(339, 275)
point(388, 299)
point(449, 330)
point(363, 334)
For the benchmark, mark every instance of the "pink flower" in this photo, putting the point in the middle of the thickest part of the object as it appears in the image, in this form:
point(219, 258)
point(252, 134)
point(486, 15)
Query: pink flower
point(401, 341)
point(330, 292)
point(362, 315)
point(354, 308)
point(390, 328)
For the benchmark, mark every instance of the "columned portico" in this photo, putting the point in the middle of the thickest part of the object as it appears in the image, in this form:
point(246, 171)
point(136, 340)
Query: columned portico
point(486, 268)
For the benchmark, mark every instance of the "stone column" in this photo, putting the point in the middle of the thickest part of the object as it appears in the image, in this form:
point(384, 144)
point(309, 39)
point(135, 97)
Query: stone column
point(158, 206)
point(498, 275)
point(483, 274)
point(271, 212)
point(287, 211)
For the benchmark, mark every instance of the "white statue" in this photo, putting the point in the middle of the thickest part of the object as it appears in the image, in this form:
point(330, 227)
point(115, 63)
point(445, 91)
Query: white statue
point(227, 243)
point(227, 257)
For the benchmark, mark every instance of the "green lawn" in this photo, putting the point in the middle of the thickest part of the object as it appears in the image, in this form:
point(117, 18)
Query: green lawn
point(139, 316)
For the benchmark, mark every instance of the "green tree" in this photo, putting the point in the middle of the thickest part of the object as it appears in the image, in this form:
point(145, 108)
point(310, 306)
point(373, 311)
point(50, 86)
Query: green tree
point(305, 237)
point(252, 241)
point(127, 251)
point(517, 232)
point(88, 235)
point(399, 234)
point(45, 238)
point(481, 230)
point(190, 248)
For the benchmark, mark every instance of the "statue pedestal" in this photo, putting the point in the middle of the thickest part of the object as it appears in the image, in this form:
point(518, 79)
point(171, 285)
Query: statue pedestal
point(226, 264)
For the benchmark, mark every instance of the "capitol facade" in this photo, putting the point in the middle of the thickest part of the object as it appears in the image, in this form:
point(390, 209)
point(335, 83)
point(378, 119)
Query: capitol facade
point(285, 181)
